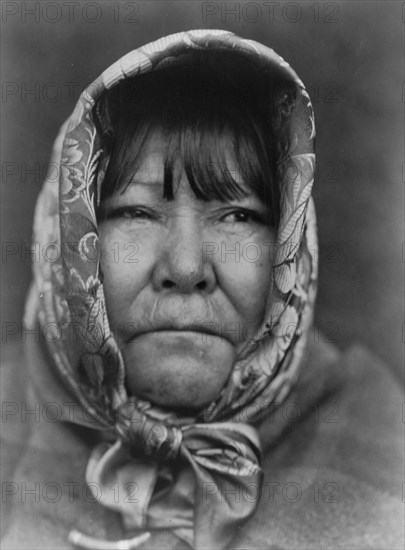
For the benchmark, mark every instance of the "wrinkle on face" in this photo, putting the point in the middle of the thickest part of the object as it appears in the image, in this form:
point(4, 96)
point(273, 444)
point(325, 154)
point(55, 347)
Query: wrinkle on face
point(171, 250)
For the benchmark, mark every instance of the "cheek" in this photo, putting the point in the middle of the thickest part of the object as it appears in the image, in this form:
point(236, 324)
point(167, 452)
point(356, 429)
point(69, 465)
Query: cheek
point(245, 277)
point(126, 266)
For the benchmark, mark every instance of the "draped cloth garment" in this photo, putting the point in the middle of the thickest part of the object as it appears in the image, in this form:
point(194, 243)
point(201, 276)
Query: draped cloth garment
point(176, 473)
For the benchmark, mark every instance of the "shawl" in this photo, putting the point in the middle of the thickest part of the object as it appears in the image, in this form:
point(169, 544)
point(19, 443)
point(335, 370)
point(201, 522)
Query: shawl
point(185, 470)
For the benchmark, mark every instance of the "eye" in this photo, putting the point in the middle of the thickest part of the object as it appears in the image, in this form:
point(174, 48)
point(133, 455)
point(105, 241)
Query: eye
point(134, 213)
point(130, 213)
point(243, 216)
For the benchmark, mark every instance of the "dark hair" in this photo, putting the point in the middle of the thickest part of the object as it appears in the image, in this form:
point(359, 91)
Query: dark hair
point(194, 107)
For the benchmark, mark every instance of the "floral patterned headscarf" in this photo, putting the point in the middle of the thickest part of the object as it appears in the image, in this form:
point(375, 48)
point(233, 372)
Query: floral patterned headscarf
point(219, 449)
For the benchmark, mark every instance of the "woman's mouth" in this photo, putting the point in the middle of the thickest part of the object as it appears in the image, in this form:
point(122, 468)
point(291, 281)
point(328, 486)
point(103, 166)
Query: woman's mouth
point(198, 332)
point(180, 341)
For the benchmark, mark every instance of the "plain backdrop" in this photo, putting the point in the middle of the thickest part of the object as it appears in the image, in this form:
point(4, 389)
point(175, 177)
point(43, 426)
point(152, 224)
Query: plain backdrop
point(350, 55)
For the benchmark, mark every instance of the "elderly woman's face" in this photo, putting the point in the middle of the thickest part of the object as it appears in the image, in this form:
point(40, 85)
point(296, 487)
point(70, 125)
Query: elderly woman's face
point(185, 281)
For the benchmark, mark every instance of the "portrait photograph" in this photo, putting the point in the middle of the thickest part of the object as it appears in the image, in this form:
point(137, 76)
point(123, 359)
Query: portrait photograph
point(202, 300)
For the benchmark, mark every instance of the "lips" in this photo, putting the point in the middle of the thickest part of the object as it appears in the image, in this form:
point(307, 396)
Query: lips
point(210, 328)
point(178, 313)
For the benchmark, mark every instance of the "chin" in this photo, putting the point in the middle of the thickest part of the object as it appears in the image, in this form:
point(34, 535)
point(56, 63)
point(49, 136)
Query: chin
point(178, 369)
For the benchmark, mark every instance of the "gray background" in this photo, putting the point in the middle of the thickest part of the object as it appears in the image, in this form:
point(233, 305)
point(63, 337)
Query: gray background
point(353, 68)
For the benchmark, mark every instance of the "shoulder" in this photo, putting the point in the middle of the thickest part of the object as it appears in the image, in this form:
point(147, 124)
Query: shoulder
point(334, 470)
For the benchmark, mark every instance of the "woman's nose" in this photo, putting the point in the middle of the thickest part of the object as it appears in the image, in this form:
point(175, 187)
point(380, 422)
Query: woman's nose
point(181, 265)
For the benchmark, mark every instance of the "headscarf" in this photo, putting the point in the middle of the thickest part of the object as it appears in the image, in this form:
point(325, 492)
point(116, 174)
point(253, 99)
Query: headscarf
point(186, 469)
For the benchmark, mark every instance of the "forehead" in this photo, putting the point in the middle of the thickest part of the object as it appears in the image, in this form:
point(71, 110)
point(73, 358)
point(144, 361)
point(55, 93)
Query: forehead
point(153, 154)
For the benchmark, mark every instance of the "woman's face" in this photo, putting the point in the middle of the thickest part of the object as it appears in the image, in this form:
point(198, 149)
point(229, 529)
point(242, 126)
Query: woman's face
point(185, 281)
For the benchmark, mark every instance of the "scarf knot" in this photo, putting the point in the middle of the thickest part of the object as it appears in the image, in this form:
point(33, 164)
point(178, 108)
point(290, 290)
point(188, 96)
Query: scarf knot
point(152, 437)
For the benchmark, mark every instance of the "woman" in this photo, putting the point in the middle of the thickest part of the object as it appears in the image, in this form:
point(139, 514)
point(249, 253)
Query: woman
point(175, 320)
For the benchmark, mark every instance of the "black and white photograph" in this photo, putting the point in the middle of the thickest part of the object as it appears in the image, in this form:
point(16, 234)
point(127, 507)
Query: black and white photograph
point(202, 259)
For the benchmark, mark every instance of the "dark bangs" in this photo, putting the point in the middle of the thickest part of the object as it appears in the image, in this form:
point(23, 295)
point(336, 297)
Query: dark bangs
point(205, 121)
